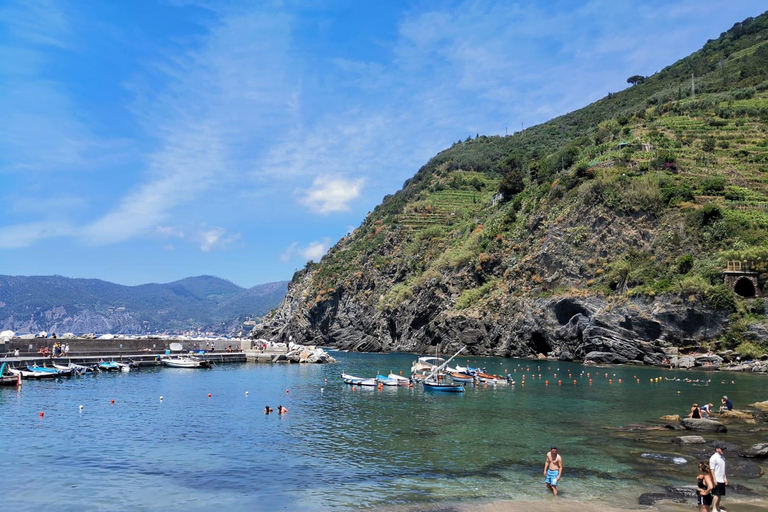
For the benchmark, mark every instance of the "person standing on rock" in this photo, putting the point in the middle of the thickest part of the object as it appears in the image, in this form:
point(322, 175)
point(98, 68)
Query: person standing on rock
point(717, 465)
point(553, 469)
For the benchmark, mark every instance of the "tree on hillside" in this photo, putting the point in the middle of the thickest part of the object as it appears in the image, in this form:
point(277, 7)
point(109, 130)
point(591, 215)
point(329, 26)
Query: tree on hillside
point(636, 79)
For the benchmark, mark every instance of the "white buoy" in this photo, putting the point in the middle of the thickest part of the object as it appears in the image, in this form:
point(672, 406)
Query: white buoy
point(161, 398)
point(322, 390)
point(246, 393)
point(80, 407)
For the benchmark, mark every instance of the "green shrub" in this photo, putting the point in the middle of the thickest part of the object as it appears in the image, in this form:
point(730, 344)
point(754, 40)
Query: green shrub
point(749, 350)
point(713, 186)
point(720, 297)
point(474, 295)
point(684, 264)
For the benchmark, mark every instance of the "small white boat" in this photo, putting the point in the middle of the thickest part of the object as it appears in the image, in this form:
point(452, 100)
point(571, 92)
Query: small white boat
point(185, 362)
point(403, 381)
point(351, 379)
point(386, 381)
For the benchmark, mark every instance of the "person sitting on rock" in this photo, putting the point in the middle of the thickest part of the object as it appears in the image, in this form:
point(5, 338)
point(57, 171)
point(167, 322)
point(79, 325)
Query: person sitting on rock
point(706, 411)
point(695, 412)
point(727, 405)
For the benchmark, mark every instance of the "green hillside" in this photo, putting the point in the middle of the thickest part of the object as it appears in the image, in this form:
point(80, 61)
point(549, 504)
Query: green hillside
point(650, 191)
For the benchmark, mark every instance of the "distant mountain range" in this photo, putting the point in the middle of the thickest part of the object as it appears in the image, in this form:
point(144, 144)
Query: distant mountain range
point(199, 304)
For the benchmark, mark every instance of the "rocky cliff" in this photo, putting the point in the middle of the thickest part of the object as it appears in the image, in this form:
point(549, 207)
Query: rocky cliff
point(600, 235)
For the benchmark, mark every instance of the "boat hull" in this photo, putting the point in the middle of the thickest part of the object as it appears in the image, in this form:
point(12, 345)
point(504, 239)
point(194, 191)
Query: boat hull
point(444, 388)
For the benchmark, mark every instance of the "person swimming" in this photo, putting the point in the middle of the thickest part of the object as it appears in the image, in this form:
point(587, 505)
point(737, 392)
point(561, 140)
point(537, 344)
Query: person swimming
point(281, 409)
point(268, 410)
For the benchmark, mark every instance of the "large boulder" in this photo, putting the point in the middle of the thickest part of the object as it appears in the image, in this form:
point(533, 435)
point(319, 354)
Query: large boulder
point(763, 406)
point(703, 425)
point(756, 451)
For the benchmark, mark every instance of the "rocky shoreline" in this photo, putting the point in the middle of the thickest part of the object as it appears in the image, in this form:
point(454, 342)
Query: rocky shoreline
point(742, 433)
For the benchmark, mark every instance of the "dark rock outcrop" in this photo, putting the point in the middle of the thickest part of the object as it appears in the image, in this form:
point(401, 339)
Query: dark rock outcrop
point(651, 498)
point(703, 425)
point(757, 451)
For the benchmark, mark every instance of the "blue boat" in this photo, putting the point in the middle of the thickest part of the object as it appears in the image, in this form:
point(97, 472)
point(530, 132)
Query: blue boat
point(450, 388)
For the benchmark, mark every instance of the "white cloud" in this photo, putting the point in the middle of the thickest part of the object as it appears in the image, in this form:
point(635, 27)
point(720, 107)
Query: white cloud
point(169, 232)
point(331, 194)
point(214, 238)
point(23, 235)
point(314, 251)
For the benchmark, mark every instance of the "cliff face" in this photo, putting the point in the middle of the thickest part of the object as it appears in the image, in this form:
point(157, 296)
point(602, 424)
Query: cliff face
point(506, 322)
point(602, 234)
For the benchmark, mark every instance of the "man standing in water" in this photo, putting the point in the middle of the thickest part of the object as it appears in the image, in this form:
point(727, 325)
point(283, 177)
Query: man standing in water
point(717, 465)
point(553, 469)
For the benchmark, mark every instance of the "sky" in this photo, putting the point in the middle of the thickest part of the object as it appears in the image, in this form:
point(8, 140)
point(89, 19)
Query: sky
point(148, 141)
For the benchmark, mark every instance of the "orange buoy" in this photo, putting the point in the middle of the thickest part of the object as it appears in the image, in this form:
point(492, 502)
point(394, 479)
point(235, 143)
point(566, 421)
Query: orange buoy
point(559, 383)
point(112, 401)
point(590, 381)
point(286, 391)
point(42, 414)
point(546, 383)
point(209, 395)
point(610, 381)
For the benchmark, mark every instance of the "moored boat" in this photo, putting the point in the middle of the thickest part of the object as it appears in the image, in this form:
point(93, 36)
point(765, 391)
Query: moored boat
point(430, 385)
point(386, 381)
point(403, 381)
point(461, 377)
point(186, 362)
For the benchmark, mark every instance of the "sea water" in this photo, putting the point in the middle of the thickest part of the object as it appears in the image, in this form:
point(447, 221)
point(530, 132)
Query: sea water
point(342, 447)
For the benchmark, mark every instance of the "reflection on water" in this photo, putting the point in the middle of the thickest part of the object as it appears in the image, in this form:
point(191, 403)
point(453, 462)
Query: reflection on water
point(340, 448)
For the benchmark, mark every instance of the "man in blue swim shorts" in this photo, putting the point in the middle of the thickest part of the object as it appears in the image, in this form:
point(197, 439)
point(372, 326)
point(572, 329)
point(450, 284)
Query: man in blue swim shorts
point(553, 469)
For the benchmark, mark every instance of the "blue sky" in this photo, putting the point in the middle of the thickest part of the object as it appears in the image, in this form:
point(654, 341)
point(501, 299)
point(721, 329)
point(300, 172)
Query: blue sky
point(147, 141)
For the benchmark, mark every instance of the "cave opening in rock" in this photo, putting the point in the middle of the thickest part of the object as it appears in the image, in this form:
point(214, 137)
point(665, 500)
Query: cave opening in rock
point(540, 343)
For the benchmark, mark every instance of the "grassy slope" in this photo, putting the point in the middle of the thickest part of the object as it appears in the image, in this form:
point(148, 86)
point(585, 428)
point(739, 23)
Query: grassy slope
point(681, 177)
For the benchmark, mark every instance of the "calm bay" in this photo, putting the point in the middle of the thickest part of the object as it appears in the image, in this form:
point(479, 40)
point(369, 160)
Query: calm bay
point(339, 448)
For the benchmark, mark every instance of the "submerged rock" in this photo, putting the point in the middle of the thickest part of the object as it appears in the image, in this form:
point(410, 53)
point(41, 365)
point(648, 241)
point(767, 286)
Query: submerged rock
point(651, 498)
point(686, 440)
point(662, 457)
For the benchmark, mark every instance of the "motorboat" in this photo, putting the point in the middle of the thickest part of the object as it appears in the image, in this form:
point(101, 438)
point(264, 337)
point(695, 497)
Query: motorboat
point(185, 362)
point(461, 377)
point(386, 381)
point(109, 366)
point(402, 381)
point(44, 370)
point(431, 385)
point(29, 374)
point(350, 379)
point(10, 379)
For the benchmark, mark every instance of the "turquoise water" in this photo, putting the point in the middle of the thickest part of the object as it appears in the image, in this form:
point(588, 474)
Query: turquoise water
point(339, 448)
